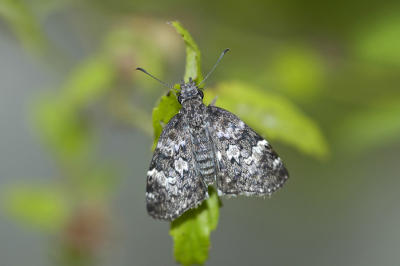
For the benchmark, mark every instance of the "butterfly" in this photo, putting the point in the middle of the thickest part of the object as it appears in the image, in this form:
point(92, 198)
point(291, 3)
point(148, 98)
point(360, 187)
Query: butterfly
point(207, 145)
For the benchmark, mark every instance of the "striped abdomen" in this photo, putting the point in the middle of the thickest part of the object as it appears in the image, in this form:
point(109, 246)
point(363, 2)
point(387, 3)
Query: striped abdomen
point(204, 156)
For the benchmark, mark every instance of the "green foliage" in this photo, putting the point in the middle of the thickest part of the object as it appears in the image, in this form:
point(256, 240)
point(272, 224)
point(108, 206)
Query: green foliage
point(62, 122)
point(191, 231)
point(193, 60)
point(63, 129)
point(298, 71)
point(271, 115)
point(24, 24)
point(61, 118)
point(44, 207)
point(167, 107)
point(88, 82)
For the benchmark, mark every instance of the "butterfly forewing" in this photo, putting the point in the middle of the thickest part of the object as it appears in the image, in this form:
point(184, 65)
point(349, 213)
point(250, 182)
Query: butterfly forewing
point(246, 162)
point(173, 182)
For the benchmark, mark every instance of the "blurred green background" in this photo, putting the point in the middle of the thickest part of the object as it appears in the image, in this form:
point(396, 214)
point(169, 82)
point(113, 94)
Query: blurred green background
point(319, 79)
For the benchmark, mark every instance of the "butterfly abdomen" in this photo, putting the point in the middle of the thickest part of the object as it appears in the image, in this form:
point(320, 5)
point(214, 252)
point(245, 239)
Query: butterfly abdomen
point(204, 156)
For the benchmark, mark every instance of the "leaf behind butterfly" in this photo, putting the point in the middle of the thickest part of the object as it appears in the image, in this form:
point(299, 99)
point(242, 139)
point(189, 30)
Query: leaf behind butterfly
point(191, 231)
point(271, 115)
point(167, 107)
point(193, 60)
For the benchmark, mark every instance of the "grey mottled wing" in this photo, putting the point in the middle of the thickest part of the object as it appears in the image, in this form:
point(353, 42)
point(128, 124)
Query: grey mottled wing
point(173, 186)
point(246, 162)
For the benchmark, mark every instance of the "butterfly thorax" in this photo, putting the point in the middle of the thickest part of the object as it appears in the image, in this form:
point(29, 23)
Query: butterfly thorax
point(193, 109)
point(194, 113)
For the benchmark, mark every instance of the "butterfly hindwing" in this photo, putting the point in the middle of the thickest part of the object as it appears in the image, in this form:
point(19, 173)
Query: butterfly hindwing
point(173, 184)
point(246, 162)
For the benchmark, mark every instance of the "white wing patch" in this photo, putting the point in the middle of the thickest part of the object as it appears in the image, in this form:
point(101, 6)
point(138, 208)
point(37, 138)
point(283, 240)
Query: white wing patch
point(233, 152)
point(159, 176)
point(180, 166)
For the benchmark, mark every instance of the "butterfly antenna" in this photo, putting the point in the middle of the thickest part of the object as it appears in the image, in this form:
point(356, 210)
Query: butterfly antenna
point(160, 81)
point(216, 64)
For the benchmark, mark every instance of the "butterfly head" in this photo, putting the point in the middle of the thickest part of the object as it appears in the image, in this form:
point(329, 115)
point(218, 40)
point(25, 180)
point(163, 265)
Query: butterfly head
point(189, 90)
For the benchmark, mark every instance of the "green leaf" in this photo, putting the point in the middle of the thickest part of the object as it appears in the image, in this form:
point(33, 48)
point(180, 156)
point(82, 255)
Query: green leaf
point(299, 72)
point(44, 207)
point(191, 231)
point(63, 128)
point(61, 119)
point(271, 115)
point(88, 82)
point(193, 61)
point(167, 107)
point(24, 24)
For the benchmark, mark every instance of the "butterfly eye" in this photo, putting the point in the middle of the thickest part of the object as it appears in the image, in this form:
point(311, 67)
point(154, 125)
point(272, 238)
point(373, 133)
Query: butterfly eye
point(179, 98)
point(201, 93)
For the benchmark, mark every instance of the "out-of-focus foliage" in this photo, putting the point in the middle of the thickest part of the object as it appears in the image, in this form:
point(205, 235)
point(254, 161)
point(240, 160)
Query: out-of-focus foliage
point(191, 231)
point(65, 121)
point(24, 23)
point(193, 56)
point(298, 71)
point(45, 207)
point(61, 119)
point(271, 115)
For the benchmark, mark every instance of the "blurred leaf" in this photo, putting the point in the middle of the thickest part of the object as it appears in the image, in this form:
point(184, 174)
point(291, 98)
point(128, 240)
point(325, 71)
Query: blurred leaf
point(61, 119)
point(271, 115)
point(88, 82)
point(193, 61)
point(299, 72)
point(45, 207)
point(167, 107)
point(63, 128)
point(191, 232)
point(24, 24)
point(370, 128)
point(380, 40)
